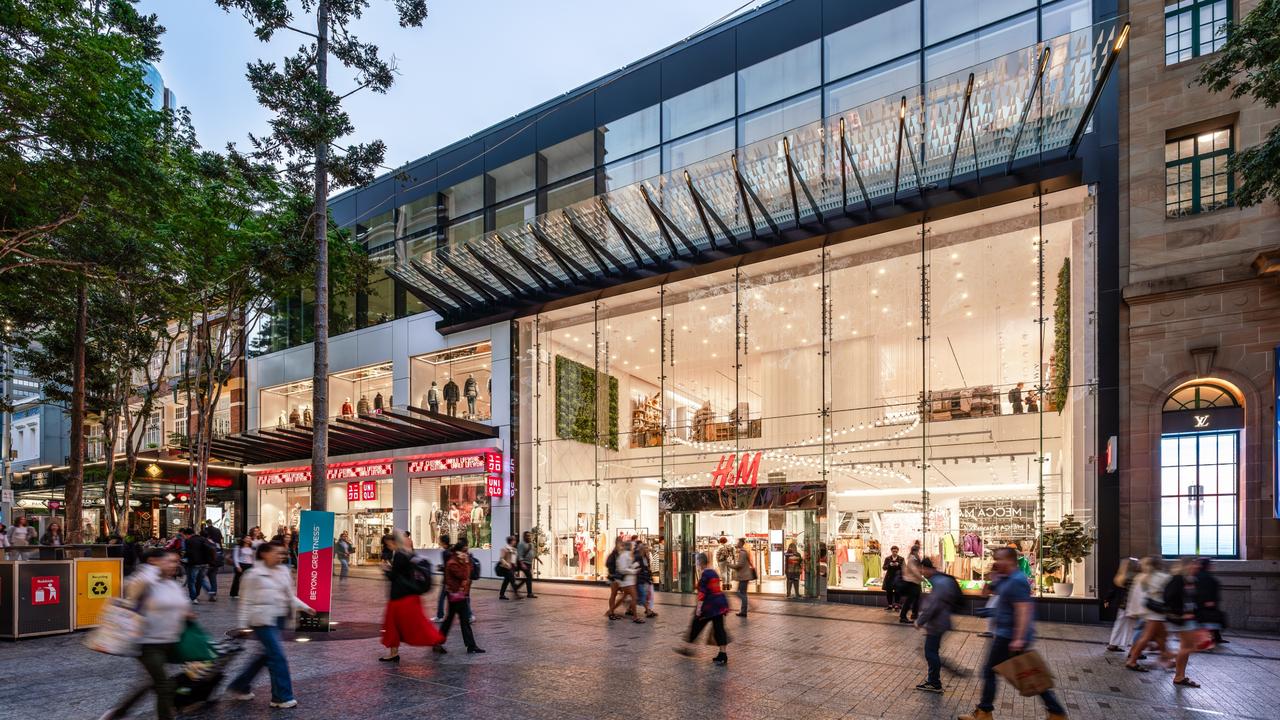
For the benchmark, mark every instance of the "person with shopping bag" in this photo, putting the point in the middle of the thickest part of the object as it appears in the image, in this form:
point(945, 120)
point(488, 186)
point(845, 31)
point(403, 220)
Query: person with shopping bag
point(710, 609)
point(404, 622)
point(1014, 629)
point(267, 605)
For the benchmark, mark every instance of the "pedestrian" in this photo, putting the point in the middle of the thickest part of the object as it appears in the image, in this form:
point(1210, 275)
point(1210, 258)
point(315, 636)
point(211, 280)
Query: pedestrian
point(508, 561)
point(165, 609)
point(197, 555)
point(292, 547)
point(527, 556)
point(1185, 610)
point(1146, 606)
point(213, 536)
point(343, 549)
point(711, 607)
point(935, 620)
point(892, 571)
point(457, 584)
point(1209, 594)
point(267, 607)
point(53, 536)
point(909, 587)
point(725, 555)
point(793, 566)
point(212, 532)
point(644, 579)
point(1015, 399)
point(242, 560)
point(1122, 628)
point(446, 551)
point(611, 573)
point(403, 621)
point(1014, 632)
point(745, 572)
point(4, 541)
point(625, 567)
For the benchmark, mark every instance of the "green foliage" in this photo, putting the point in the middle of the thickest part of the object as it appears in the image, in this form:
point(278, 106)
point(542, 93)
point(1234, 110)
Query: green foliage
point(1061, 381)
point(577, 403)
point(1249, 64)
point(1068, 543)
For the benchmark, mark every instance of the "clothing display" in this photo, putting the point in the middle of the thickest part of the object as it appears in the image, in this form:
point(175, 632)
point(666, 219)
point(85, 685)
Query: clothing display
point(294, 417)
point(347, 410)
point(377, 403)
point(949, 547)
point(971, 544)
point(451, 398)
point(306, 416)
point(362, 406)
point(433, 398)
point(282, 420)
point(701, 419)
point(471, 391)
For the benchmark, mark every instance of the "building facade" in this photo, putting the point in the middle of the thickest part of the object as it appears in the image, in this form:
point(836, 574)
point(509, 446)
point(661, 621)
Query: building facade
point(1200, 328)
point(832, 274)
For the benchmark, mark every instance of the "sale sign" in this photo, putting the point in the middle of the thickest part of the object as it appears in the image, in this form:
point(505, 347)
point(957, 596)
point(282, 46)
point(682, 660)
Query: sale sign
point(315, 563)
point(46, 590)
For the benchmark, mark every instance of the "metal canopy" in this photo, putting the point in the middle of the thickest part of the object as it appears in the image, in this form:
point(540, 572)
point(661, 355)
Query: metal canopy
point(1011, 114)
point(391, 429)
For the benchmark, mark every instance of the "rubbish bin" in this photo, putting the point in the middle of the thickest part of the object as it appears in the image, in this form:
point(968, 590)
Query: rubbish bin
point(36, 598)
point(97, 580)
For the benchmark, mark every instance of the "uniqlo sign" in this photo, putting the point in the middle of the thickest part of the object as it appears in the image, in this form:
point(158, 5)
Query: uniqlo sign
point(369, 490)
point(493, 485)
point(493, 463)
point(353, 491)
point(46, 590)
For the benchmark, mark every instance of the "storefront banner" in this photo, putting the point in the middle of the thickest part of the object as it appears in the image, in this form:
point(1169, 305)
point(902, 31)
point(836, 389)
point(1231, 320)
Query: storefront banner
point(493, 486)
point(353, 491)
point(478, 461)
point(368, 490)
point(315, 563)
point(303, 475)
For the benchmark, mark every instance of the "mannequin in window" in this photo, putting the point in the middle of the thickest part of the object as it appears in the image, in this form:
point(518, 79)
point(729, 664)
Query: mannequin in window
point(282, 420)
point(451, 398)
point(362, 406)
point(294, 417)
point(306, 415)
point(471, 390)
point(347, 410)
point(377, 404)
point(432, 398)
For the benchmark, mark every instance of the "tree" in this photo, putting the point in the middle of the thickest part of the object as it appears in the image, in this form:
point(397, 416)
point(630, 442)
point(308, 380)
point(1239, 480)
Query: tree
point(308, 124)
point(1249, 64)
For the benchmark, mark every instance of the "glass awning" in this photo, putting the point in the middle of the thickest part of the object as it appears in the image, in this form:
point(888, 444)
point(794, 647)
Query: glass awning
point(987, 121)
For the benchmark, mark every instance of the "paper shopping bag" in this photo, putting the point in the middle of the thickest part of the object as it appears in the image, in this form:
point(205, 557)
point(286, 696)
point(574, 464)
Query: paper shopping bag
point(1027, 673)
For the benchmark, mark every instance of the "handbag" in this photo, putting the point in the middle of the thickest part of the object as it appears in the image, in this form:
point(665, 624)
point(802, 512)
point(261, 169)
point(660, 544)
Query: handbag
point(1027, 673)
point(194, 645)
point(120, 627)
point(1157, 605)
point(457, 596)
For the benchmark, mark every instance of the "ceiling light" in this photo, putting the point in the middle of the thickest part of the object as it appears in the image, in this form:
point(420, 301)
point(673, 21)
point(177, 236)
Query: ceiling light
point(964, 296)
point(881, 271)
point(884, 309)
point(875, 291)
point(955, 256)
point(959, 276)
point(842, 317)
point(969, 314)
point(788, 327)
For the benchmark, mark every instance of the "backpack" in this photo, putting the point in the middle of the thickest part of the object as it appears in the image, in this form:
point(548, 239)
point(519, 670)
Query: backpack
point(418, 580)
point(475, 569)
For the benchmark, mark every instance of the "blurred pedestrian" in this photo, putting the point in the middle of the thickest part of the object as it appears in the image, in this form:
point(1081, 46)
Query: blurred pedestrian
point(53, 536)
point(935, 620)
point(1185, 610)
point(909, 587)
point(1014, 632)
point(165, 609)
point(644, 579)
point(242, 560)
point(611, 573)
point(21, 535)
point(197, 555)
point(1208, 592)
point(725, 555)
point(457, 585)
point(626, 567)
point(744, 571)
point(403, 620)
point(1146, 606)
point(527, 556)
point(793, 566)
point(710, 609)
point(267, 607)
point(446, 551)
point(1122, 628)
point(508, 562)
point(343, 549)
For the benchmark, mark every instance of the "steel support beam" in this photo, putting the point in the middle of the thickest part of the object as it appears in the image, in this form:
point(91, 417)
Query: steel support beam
point(1026, 108)
point(666, 225)
point(511, 282)
point(1098, 87)
point(629, 236)
point(571, 268)
point(464, 301)
point(544, 279)
point(794, 176)
point(480, 287)
point(748, 193)
point(598, 249)
point(964, 114)
point(846, 154)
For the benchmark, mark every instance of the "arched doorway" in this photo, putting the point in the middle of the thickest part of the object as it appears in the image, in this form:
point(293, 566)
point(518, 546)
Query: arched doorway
point(1201, 425)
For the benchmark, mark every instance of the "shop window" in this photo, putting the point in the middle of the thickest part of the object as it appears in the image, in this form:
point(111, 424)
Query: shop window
point(418, 216)
point(629, 135)
point(1200, 472)
point(877, 39)
point(457, 506)
point(781, 76)
point(1193, 28)
point(514, 178)
point(1196, 175)
point(568, 158)
point(457, 382)
point(362, 391)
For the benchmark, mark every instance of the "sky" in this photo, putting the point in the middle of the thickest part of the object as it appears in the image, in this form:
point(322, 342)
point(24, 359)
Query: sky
point(473, 63)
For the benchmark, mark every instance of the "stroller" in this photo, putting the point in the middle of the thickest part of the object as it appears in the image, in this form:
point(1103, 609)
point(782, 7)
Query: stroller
point(194, 685)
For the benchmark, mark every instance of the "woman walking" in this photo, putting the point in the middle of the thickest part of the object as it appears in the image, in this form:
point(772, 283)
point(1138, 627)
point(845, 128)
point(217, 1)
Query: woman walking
point(1183, 603)
point(267, 608)
point(404, 622)
point(711, 608)
point(1122, 628)
point(457, 586)
point(644, 579)
point(793, 565)
point(1146, 605)
point(343, 549)
point(242, 560)
point(909, 587)
point(53, 536)
point(626, 568)
point(163, 604)
point(508, 561)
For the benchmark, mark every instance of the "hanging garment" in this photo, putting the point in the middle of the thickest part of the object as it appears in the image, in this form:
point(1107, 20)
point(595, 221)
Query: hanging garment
point(949, 547)
point(433, 398)
point(871, 567)
point(470, 388)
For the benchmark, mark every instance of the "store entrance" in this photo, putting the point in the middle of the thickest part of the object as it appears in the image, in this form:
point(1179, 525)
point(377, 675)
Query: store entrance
point(769, 535)
point(367, 528)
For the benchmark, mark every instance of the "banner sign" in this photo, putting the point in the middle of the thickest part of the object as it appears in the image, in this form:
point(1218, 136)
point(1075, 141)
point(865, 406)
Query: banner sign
point(303, 475)
point(477, 462)
point(493, 486)
point(315, 566)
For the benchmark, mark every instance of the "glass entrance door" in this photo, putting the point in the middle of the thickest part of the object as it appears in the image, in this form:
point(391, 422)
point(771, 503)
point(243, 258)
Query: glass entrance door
point(680, 566)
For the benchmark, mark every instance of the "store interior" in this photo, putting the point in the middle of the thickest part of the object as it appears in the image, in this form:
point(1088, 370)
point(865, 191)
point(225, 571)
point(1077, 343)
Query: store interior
point(360, 391)
point(939, 388)
point(457, 382)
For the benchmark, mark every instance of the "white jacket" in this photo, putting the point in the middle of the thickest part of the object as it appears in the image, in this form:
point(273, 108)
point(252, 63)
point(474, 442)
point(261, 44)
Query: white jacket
point(266, 595)
point(165, 605)
point(1142, 588)
point(627, 568)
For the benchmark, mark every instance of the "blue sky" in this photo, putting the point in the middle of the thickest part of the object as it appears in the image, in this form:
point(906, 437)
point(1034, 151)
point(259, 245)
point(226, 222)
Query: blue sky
point(472, 64)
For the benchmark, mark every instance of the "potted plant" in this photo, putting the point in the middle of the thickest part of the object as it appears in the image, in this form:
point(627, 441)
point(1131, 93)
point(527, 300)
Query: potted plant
point(1068, 543)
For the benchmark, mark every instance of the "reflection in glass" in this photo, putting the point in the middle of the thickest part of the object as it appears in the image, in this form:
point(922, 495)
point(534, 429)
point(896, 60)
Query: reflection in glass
point(946, 18)
point(873, 84)
point(979, 47)
point(575, 155)
point(632, 170)
point(698, 108)
point(465, 197)
point(417, 216)
point(778, 119)
point(700, 146)
point(631, 134)
point(513, 179)
point(570, 193)
point(780, 76)
point(877, 39)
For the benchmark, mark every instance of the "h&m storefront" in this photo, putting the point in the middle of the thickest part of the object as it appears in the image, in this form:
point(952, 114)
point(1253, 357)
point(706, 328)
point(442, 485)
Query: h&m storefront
point(461, 493)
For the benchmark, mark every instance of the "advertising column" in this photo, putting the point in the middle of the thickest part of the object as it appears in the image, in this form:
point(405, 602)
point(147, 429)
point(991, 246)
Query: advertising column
point(315, 567)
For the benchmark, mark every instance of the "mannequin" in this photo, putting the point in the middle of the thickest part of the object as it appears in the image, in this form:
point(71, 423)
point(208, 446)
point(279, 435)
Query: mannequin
point(294, 418)
point(362, 406)
point(433, 398)
point(347, 410)
point(377, 403)
point(451, 398)
point(282, 420)
point(582, 546)
point(306, 415)
point(471, 390)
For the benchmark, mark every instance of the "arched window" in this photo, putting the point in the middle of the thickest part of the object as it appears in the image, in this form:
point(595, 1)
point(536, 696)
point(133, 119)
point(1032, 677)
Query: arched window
point(1200, 471)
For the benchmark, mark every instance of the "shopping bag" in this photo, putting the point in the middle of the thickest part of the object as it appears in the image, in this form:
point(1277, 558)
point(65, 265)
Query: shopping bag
point(194, 645)
point(1027, 673)
point(1202, 640)
point(119, 629)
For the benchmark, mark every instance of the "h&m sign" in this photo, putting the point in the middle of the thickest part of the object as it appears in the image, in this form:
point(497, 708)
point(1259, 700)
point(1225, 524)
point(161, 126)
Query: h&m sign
point(731, 471)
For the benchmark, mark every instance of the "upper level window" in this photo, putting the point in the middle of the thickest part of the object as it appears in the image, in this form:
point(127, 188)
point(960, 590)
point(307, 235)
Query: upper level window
point(573, 156)
point(779, 77)
point(631, 134)
point(965, 52)
point(877, 39)
point(417, 216)
point(1193, 28)
point(948, 18)
point(514, 178)
point(377, 230)
point(1196, 177)
point(698, 108)
point(465, 197)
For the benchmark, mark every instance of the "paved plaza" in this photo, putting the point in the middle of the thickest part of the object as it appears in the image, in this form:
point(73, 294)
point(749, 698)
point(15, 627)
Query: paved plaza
point(558, 657)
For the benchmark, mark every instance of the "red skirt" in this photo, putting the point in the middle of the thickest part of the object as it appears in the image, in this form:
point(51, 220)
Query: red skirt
point(405, 624)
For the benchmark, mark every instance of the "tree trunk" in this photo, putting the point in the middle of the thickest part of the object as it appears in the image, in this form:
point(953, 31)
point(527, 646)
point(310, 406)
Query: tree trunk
point(75, 474)
point(110, 508)
point(320, 378)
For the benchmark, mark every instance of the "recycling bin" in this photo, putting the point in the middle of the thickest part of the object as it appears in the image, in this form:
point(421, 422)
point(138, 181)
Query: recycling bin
point(97, 581)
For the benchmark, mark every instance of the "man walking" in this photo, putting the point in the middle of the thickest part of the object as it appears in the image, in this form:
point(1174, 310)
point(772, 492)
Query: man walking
point(745, 572)
point(526, 556)
point(935, 621)
point(1014, 628)
point(197, 554)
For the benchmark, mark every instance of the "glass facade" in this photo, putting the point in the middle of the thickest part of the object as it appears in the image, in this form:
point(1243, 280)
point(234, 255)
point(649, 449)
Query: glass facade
point(930, 384)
